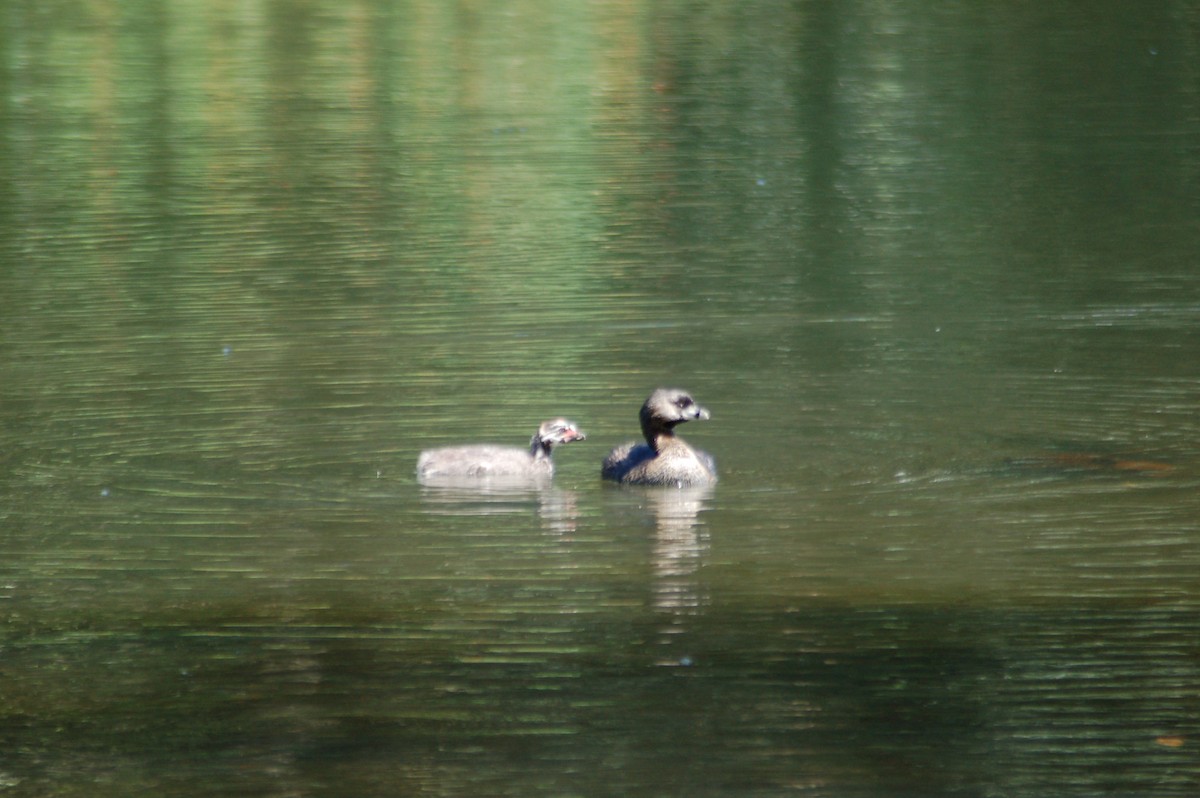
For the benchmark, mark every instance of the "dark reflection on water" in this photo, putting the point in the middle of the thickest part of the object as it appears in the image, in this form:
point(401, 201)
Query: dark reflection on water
point(828, 699)
point(932, 270)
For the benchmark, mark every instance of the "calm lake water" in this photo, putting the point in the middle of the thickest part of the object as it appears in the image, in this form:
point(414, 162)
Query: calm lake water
point(933, 270)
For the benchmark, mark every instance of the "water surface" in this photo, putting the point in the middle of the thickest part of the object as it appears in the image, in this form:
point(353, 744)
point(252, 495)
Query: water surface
point(932, 271)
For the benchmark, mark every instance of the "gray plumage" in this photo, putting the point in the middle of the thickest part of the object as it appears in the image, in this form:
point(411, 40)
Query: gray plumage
point(664, 459)
point(484, 461)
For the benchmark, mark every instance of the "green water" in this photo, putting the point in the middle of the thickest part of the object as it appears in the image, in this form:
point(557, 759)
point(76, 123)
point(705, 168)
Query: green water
point(932, 270)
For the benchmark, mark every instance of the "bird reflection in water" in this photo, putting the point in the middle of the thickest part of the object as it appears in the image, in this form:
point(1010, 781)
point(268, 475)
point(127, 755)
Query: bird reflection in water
point(680, 546)
point(557, 510)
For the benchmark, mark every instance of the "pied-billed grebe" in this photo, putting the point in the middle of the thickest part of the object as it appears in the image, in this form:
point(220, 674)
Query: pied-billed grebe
point(483, 461)
point(664, 459)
